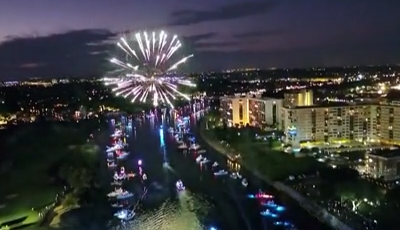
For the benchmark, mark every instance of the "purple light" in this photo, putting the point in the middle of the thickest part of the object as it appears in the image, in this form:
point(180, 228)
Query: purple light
point(139, 162)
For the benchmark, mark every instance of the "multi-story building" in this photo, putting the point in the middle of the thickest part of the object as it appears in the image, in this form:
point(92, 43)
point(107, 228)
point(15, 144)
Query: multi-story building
point(235, 110)
point(326, 123)
point(255, 111)
point(304, 122)
point(383, 164)
point(298, 98)
point(388, 122)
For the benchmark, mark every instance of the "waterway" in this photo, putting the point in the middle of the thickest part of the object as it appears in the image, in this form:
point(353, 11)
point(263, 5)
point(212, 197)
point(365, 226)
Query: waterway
point(209, 201)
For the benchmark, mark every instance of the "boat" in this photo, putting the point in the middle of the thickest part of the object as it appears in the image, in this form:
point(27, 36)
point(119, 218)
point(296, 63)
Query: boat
point(260, 195)
point(116, 183)
point(201, 151)
point(130, 175)
point(215, 164)
point(199, 158)
point(125, 214)
point(117, 176)
point(124, 195)
point(110, 160)
point(182, 146)
point(115, 193)
point(122, 156)
point(112, 165)
point(238, 175)
point(144, 177)
point(221, 173)
point(268, 213)
point(271, 204)
point(283, 223)
point(233, 176)
point(245, 183)
point(116, 205)
point(194, 147)
point(171, 130)
point(204, 161)
point(179, 185)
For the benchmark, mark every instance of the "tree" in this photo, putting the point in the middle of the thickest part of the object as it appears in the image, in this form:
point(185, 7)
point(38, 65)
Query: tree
point(357, 192)
point(70, 200)
point(338, 175)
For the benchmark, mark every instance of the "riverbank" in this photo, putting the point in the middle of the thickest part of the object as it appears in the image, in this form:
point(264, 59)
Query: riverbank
point(304, 202)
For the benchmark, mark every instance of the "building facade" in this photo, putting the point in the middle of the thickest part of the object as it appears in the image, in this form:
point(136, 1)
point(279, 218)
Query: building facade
point(384, 164)
point(326, 124)
point(254, 111)
point(304, 123)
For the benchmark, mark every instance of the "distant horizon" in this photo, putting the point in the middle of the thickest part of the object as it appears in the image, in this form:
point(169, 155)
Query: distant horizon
point(93, 76)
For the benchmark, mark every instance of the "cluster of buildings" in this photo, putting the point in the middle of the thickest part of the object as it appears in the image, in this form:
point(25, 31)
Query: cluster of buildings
point(330, 124)
point(307, 123)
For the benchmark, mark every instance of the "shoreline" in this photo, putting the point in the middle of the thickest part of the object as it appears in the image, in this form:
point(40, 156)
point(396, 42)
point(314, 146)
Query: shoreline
point(308, 205)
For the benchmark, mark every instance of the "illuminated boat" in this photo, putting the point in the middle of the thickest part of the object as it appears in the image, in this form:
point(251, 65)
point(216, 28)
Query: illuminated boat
point(272, 205)
point(124, 195)
point(260, 195)
point(201, 151)
point(268, 213)
point(194, 146)
point(244, 182)
point(199, 158)
point(204, 161)
point(112, 165)
point(182, 146)
point(215, 164)
point(179, 185)
point(116, 192)
point(118, 177)
point(125, 214)
point(221, 173)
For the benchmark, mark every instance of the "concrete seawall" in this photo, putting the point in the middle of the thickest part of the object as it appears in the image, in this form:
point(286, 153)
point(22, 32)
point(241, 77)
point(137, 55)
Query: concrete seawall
point(314, 209)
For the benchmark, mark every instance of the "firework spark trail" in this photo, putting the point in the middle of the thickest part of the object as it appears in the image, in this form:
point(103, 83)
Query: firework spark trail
point(144, 72)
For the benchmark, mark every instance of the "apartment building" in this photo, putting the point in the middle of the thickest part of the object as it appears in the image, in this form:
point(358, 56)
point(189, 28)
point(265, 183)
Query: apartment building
point(383, 164)
point(255, 111)
point(298, 98)
point(235, 110)
point(304, 122)
point(327, 123)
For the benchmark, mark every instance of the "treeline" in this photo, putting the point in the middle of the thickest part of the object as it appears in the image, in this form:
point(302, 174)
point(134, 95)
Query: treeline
point(63, 154)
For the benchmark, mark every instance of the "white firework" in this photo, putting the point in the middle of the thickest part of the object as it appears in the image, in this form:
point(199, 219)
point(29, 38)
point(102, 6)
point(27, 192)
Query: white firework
point(145, 71)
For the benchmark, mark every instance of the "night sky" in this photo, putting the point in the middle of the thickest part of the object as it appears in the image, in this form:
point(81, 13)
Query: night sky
point(49, 38)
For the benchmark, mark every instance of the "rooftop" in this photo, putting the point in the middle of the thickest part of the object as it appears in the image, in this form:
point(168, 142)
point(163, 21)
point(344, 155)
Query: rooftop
point(385, 153)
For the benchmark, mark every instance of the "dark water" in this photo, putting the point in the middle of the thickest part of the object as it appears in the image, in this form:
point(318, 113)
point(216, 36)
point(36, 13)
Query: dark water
point(208, 201)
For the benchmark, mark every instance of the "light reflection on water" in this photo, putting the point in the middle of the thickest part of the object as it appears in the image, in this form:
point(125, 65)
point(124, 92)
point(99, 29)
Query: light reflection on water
point(188, 212)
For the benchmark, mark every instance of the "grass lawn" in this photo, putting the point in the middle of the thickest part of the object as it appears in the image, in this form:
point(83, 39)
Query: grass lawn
point(272, 162)
point(275, 164)
point(23, 192)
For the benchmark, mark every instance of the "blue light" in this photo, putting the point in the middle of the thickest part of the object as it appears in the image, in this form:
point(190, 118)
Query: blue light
point(161, 137)
point(213, 228)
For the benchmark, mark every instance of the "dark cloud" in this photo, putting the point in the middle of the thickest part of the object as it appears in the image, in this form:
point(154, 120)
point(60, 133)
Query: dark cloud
point(257, 33)
point(70, 53)
point(199, 37)
point(209, 45)
point(198, 42)
point(230, 11)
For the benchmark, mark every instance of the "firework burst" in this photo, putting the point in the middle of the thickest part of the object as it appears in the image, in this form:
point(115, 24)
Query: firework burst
point(145, 70)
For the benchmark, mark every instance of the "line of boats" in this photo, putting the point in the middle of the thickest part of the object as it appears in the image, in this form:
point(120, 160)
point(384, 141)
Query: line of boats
point(201, 159)
point(269, 209)
point(119, 197)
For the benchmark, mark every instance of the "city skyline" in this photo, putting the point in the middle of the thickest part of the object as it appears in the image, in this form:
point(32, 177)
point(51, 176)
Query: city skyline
point(73, 38)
